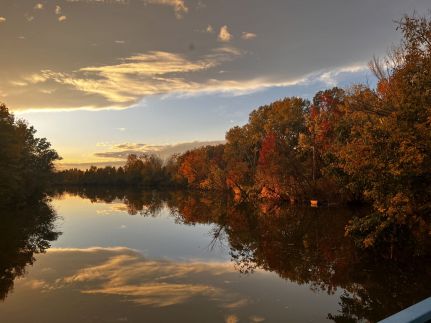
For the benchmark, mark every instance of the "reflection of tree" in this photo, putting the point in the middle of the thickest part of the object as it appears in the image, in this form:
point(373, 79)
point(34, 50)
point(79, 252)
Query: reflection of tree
point(308, 246)
point(303, 245)
point(24, 231)
point(147, 203)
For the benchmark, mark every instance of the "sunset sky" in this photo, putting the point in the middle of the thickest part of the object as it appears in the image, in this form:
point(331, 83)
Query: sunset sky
point(104, 78)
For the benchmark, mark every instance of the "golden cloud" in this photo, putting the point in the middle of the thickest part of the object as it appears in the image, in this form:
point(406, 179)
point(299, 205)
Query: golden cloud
point(224, 34)
point(140, 75)
point(248, 36)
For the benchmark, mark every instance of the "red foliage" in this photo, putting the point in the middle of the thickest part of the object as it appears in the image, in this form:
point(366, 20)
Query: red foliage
point(268, 147)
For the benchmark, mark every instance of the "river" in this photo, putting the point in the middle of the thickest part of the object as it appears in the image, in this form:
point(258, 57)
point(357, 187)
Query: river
point(132, 256)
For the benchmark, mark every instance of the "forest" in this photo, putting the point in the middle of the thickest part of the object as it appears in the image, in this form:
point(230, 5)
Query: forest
point(357, 145)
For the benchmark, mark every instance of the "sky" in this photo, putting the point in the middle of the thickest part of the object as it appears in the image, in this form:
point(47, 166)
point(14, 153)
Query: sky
point(104, 78)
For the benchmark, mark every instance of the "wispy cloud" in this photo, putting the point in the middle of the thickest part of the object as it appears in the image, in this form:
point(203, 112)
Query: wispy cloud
point(224, 34)
point(28, 17)
point(330, 77)
point(121, 151)
point(2, 20)
point(154, 72)
point(248, 36)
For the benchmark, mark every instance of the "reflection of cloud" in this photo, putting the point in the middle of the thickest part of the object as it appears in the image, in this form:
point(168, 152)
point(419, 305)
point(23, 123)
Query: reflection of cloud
point(124, 272)
point(121, 151)
point(158, 294)
point(240, 303)
point(92, 250)
point(113, 209)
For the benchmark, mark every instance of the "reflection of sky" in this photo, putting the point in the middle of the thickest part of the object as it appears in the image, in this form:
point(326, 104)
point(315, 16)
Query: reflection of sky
point(118, 284)
point(85, 224)
point(109, 266)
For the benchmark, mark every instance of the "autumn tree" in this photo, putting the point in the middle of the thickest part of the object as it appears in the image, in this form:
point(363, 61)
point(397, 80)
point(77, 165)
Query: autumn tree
point(388, 152)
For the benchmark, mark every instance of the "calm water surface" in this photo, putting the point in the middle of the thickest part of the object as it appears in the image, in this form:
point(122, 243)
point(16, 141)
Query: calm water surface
point(175, 257)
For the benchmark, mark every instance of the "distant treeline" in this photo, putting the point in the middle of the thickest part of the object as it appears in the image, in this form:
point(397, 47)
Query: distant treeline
point(144, 171)
point(359, 144)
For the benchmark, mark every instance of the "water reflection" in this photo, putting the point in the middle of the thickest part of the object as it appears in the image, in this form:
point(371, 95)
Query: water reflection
point(24, 231)
point(286, 263)
point(119, 284)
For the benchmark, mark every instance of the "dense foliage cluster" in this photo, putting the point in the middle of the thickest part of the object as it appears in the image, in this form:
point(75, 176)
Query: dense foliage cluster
point(26, 162)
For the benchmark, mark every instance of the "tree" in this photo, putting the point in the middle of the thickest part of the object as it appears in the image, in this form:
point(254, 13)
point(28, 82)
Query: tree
point(26, 162)
point(388, 151)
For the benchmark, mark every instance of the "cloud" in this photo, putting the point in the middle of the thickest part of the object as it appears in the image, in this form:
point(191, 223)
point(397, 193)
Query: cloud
point(122, 89)
point(150, 73)
point(62, 18)
point(38, 6)
point(209, 29)
point(29, 18)
point(58, 10)
point(2, 20)
point(129, 146)
point(121, 151)
point(331, 77)
point(178, 5)
point(224, 34)
point(248, 36)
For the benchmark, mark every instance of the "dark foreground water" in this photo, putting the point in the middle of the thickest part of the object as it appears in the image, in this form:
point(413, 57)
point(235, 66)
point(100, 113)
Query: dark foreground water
point(111, 256)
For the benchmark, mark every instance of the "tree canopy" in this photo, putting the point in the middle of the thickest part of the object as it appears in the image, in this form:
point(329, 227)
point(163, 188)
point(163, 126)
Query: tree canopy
point(26, 162)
